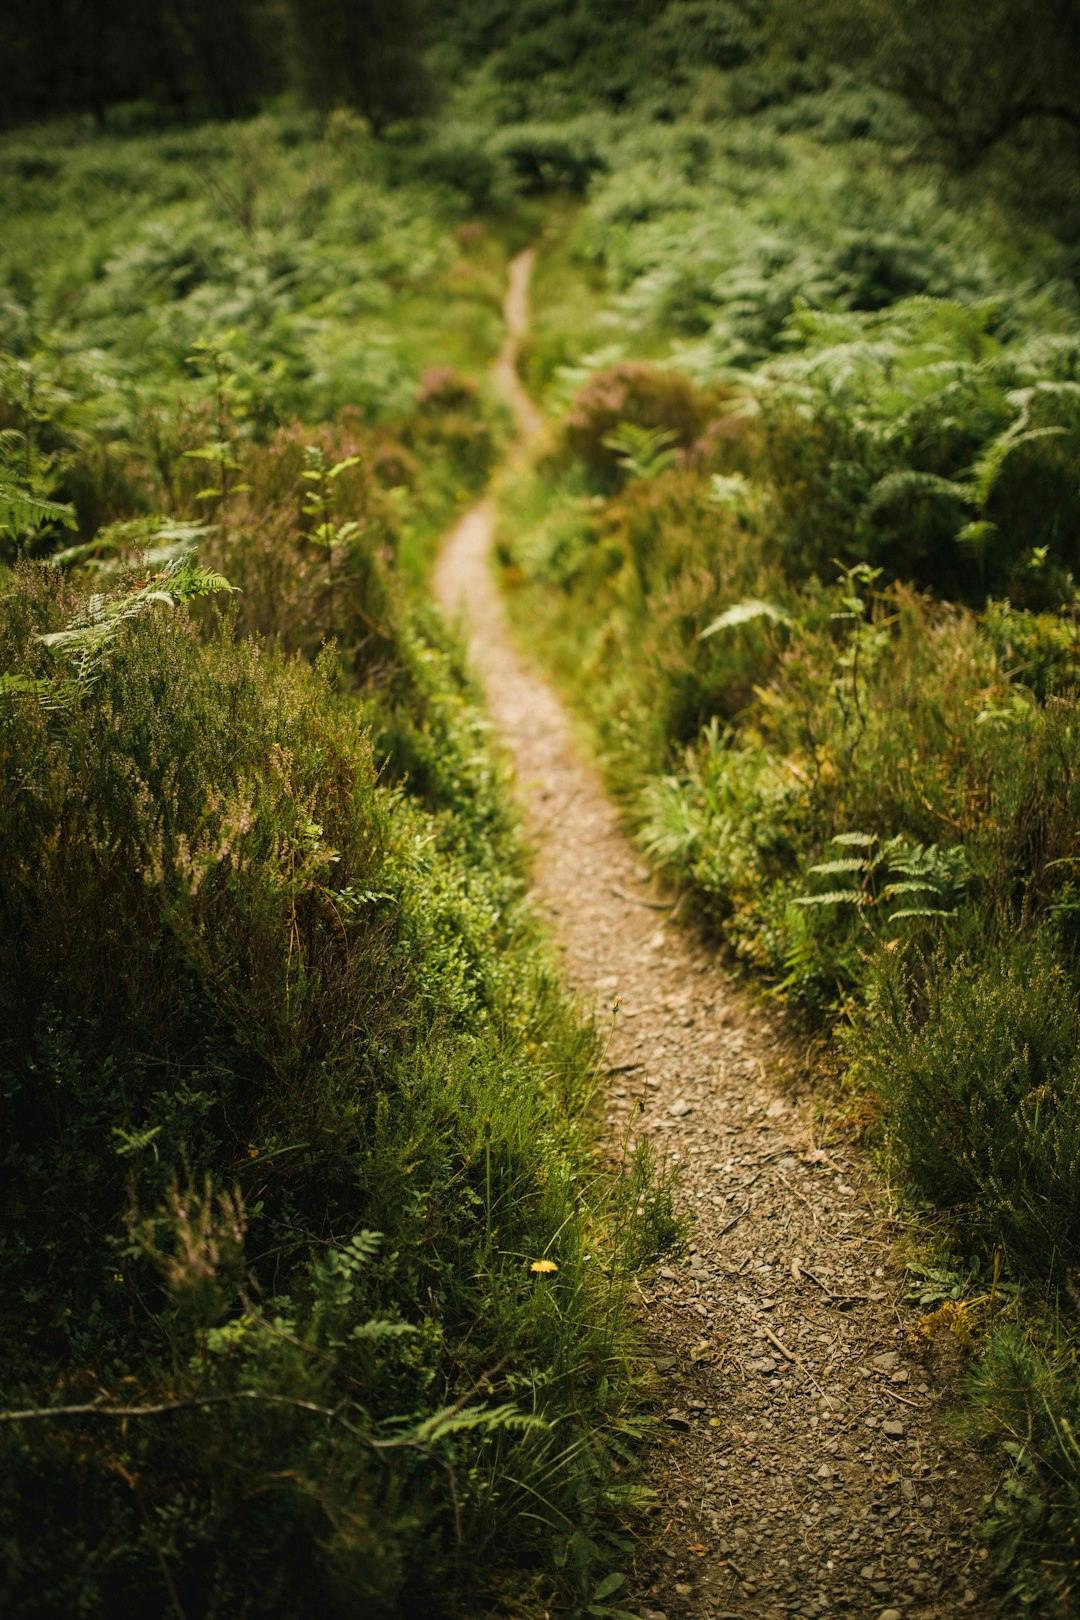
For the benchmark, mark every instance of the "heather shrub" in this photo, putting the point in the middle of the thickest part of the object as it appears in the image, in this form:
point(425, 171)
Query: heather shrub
point(973, 1048)
point(637, 394)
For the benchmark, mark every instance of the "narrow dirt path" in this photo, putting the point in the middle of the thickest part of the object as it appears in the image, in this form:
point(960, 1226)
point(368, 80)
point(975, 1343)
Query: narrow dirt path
point(805, 1470)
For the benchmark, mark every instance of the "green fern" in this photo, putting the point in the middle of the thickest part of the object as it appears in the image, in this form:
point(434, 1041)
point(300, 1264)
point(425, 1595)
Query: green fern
point(747, 612)
point(86, 644)
point(23, 513)
point(891, 870)
point(642, 452)
point(911, 485)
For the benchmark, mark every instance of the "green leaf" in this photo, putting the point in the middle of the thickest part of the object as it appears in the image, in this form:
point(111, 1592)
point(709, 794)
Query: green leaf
point(378, 1328)
point(610, 1583)
point(342, 466)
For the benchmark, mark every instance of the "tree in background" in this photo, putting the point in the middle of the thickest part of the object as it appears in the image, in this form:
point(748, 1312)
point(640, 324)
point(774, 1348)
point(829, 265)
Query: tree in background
point(86, 55)
point(366, 54)
point(217, 56)
point(225, 56)
point(983, 74)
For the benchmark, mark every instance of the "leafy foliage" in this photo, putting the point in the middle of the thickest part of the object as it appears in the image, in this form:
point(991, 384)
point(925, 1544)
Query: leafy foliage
point(259, 967)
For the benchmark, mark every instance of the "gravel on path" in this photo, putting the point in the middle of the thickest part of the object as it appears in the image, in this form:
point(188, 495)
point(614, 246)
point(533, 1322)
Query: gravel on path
point(804, 1468)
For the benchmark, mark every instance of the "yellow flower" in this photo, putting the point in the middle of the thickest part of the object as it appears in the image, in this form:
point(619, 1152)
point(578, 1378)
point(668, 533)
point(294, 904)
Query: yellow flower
point(543, 1266)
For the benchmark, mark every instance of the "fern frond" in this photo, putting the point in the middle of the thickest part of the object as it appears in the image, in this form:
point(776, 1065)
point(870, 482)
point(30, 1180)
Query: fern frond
point(640, 451)
point(379, 1328)
point(832, 897)
point(986, 470)
point(89, 639)
point(362, 1247)
point(745, 613)
point(452, 1420)
point(24, 513)
point(911, 485)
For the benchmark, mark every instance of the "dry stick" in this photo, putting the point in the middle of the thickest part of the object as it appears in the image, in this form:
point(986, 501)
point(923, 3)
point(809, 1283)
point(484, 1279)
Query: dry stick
point(790, 1356)
point(633, 900)
point(918, 1405)
point(36, 1414)
point(193, 1403)
point(724, 1230)
point(841, 1299)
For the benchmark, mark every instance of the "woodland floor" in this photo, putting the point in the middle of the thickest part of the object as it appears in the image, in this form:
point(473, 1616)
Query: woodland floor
point(806, 1469)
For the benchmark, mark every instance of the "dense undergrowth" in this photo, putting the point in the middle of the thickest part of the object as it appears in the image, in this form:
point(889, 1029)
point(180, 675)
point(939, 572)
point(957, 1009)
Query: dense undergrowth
point(299, 1193)
point(169, 299)
point(314, 1285)
point(803, 548)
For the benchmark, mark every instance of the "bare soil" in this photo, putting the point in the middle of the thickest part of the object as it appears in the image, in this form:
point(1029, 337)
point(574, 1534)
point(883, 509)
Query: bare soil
point(805, 1469)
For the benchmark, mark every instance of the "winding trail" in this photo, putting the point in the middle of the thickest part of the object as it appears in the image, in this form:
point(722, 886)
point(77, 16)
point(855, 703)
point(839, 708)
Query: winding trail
point(805, 1469)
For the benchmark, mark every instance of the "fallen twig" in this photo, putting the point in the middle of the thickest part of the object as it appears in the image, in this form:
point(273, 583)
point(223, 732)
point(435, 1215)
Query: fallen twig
point(100, 1409)
point(788, 1355)
point(907, 1400)
point(735, 1219)
point(634, 900)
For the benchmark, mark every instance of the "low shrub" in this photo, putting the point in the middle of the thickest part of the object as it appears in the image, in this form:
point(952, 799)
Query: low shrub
point(638, 394)
point(1024, 1396)
point(463, 161)
point(973, 1047)
point(290, 1099)
point(550, 157)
